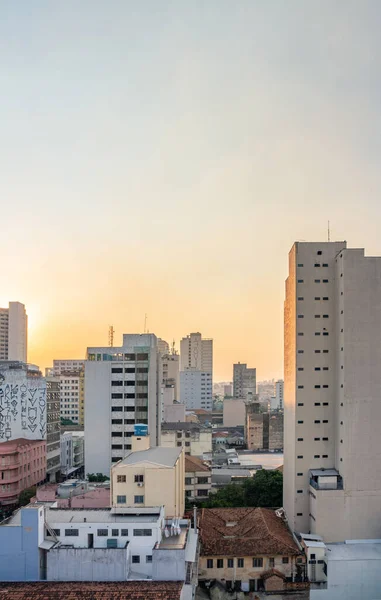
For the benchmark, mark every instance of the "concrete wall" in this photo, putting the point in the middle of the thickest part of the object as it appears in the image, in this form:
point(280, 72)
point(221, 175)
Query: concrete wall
point(174, 413)
point(196, 389)
point(275, 431)
point(19, 551)
point(97, 417)
point(168, 565)
point(234, 412)
point(87, 564)
point(200, 441)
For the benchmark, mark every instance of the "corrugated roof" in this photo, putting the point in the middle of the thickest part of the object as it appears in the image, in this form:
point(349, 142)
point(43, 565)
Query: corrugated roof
point(166, 457)
point(119, 590)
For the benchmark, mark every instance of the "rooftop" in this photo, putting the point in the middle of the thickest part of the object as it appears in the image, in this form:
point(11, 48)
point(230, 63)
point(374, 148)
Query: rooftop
point(247, 531)
point(91, 515)
point(159, 455)
point(180, 426)
point(193, 464)
point(119, 590)
point(12, 445)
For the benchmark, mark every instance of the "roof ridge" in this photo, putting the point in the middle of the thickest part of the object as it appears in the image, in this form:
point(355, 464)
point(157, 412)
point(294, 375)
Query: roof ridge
point(274, 534)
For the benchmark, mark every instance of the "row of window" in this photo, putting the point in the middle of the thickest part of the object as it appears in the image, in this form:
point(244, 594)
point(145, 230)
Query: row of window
point(257, 562)
point(119, 396)
point(120, 446)
point(129, 370)
point(137, 478)
point(317, 439)
point(316, 316)
point(201, 480)
point(131, 383)
point(316, 351)
point(315, 456)
point(137, 500)
point(126, 408)
point(301, 387)
point(315, 265)
point(316, 368)
point(105, 532)
point(325, 298)
point(120, 421)
point(315, 280)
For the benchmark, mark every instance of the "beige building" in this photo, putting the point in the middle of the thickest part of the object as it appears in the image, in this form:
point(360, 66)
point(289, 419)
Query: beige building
point(14, 332)
point(249, 549)
point(194, 438)
point(264, 431)
point(149, 477)
point(332, 470)
point(196, 353)
point(198, 478)
point(234, 412)
point(244, 381)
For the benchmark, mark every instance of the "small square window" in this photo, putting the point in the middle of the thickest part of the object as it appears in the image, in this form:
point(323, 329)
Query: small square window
point(300, 265)
point(285, 560)
point(220, 563)
point(300, 474)
point(139, 499)
point(319, 252)
point(317, 280)
point(240, 563)
point(135, 559)
point(230, 563)
point(300, 387)
point(257, 562)
point(300, 491)
point(148, 558)
point(317, 456)
point(209, 563)
point(300, 281)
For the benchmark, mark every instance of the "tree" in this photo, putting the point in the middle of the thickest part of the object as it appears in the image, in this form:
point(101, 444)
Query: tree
point(26, 495)
point(97, 477)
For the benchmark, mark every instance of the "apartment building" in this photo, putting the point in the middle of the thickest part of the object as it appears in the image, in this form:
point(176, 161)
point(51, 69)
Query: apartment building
point(198, 479)
point(68, 366)
point(22, 465)
point(149, 477)
point(14, 332)
point(53, 428)
point(196, 389)
point(279, 394)
point(196, 439)
point(263, 431)
point(171, 373)
point(332, 469)
point(196, 353)
point(122, 388)
point(72, 396)
point(244, 382)
point(72, 452)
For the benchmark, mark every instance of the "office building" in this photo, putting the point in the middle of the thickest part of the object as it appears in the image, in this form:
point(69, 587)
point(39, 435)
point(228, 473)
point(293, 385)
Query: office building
point(196, 389)
point(14, 332)
point(332, 467)
point(22, 402)
point(244, 382)
point(22, 465)
point(196, 353)
point(72, 452)
point(122, 388)
point(72, 396)
point(53, 428)
point(68, 366)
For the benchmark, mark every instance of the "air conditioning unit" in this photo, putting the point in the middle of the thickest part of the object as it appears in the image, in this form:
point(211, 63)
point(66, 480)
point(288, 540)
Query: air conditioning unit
point(140, 484)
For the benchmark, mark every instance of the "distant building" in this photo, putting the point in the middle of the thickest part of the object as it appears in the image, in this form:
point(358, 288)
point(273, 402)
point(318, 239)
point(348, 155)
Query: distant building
point(22, 465)
point(14, 332)
point(122, 387)
point(264, 431)
point(68, 366)
point(171, 373)
point(174, 413)
point(234, 412)
point(72, 396)
point(72, 452)
point(249, 549)
point(196, 389)
point(279, 387)
point(163, 346)
point(198, 478)
point(196, 353)
point(193, 437)
point(228, 389)
point(22, 402)
point(244, 382)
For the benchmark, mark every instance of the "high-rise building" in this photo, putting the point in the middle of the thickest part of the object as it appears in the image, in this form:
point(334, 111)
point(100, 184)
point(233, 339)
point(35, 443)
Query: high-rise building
point(53, 448)
point(279, 386)
point(14, 332)
point(332, 466)
point(171, 374)
point(196, 389)
point(122, 388)
point(196, 353)
point(162, 346)
point(68, 365)
point(244, 382)
point(72, 396)
point(22, 402)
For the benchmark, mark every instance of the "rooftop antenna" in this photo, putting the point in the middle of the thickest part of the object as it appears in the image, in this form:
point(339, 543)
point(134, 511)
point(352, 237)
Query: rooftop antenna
point(329, 233)
point(111, 332)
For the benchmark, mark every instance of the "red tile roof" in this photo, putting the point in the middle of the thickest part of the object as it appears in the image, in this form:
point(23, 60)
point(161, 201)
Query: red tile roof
point(119, 590)
point(193, 464)
point(251, 532)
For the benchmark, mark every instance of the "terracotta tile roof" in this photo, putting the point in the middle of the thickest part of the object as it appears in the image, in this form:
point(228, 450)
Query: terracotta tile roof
point(193, 464)
point(119, 590)
point(251, 532)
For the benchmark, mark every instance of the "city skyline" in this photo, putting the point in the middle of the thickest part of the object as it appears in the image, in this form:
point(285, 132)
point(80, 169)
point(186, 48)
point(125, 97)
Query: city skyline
point(164, 160)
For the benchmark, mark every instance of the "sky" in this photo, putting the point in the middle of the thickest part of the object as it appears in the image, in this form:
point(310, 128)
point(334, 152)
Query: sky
point(161, 157)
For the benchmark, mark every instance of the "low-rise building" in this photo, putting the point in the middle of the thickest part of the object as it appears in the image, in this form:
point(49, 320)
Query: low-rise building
point(198, 478)
point(22, 465)
point(249, 549)
point(194, 438)
point(148, 477)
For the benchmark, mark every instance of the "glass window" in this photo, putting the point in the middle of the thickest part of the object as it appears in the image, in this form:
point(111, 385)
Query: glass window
point(135, 559)
point(139, 500)
point(230, 563)
point(102, 532)
point(115, 532)
point(220, 563)
point(209, 563)
point(71, 532)
point(149, 558)
point(240, 563)
point(121, 479)
point(121, 499)
point(124, 532)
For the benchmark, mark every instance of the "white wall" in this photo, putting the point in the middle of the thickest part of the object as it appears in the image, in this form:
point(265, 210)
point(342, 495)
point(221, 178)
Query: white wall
point(97, 417)
point(196, 389)
point(17, 332)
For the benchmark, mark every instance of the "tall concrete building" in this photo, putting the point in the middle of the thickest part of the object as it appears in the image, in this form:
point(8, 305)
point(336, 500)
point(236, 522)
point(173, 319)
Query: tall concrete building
point(196, 353)
point(14, 332)
point(196, 389)
point(332, 454)
point(68, 365)
point(122, 388)
point(53, 428)
point(244, 382)
point(279, 394)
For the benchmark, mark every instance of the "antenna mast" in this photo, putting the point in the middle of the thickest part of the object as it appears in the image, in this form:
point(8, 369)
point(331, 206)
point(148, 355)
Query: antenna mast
point(111, 332)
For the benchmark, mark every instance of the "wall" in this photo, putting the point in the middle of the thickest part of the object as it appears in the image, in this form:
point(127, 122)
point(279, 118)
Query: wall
point(168, 565)
point(97, 417)
point(234, 412)
point(174, 413)
point(196, 389)
point(243, 574)
point(17, 332)
point(19, 552)
point(87, 564)
point(197, 443)
point(275, 431)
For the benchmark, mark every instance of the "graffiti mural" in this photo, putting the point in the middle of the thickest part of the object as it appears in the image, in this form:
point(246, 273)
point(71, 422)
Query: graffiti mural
point(22, 406)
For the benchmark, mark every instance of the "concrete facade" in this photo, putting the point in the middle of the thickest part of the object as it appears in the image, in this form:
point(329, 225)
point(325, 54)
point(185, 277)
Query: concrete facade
point(72, 396)
point(244, 382)
point(22, 465)
point(53, 428)
point(279, 394)
point(194, 438)
point(122, 388)
point(22, 402)
point(14, 332)
point(68, 366)
point(88, 564)
point(332, 390)
point(196, 389)
point(196, 353)
point(234, 412)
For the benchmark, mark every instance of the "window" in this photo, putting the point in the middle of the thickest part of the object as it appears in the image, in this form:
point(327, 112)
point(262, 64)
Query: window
point(71, 532)
point(57, 532)
point(117, 396)
point(317, 316)
point(116, 370)
point(317, 386)
point(102, 532)
point(240, 563)
point(300, 298)
point(300, 456)
point(135, 559)
point(317, 351)
point(319, 252)
point(116, 434)
point(317, 403)
point(271, 562)
point(300, 316)
point(129, 421)
point(300, 403)
point(317, 439)
point(149, 558)
point(300, 368)
point(300, 422)
point(142, 532)
point(299, 514)
point(325, 456)
point(317, 421)
point(116, 408)
point(325, 439)
point(209, 563)
point(325, 316)
point(317, 332)
point(202, 480)
point(325, 421)
point(300, 439)
point(300, 265)
point(299, 491)
point(285, 560)
point(124, 532)
point(300, 351)
point(230, 563)
point(325, 280)
point(317, 297)
point(139, 478)
point(300, 474)
point(139, 499)
point(325, 298)
point(317, 265)
point(257, 562)
point(202, 492)
point(300, 333)
point(300, 387)
point(116, 383)
point(117, 421)
point(179, 444)
point(220, 563)
point(115, 532)
point(317, 456)
point(317, 280)
point(121, 500)
point(187, 444)
point(325, 351)
point(325, 368)
point(325, 333)
point(121, 479)
point(188, 480)
point(300, 281)
point(325, 403)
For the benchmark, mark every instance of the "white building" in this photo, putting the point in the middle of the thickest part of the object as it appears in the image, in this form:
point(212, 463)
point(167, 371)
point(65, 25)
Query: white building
point(194, 438)
point(196, 353)
point(22, 402)
point(122, 387)
point(244, 382)
point(53, 428)
point(14, 332)
point(332, 466)
point(196, 389)
point(72, 452)
point(68, 366)
point(71, 396)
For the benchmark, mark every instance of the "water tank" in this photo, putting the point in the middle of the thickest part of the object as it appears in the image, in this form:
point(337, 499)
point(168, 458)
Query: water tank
point(141, 429)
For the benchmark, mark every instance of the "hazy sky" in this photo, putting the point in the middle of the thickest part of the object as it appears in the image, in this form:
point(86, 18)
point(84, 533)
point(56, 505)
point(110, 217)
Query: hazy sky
point(162, 156)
